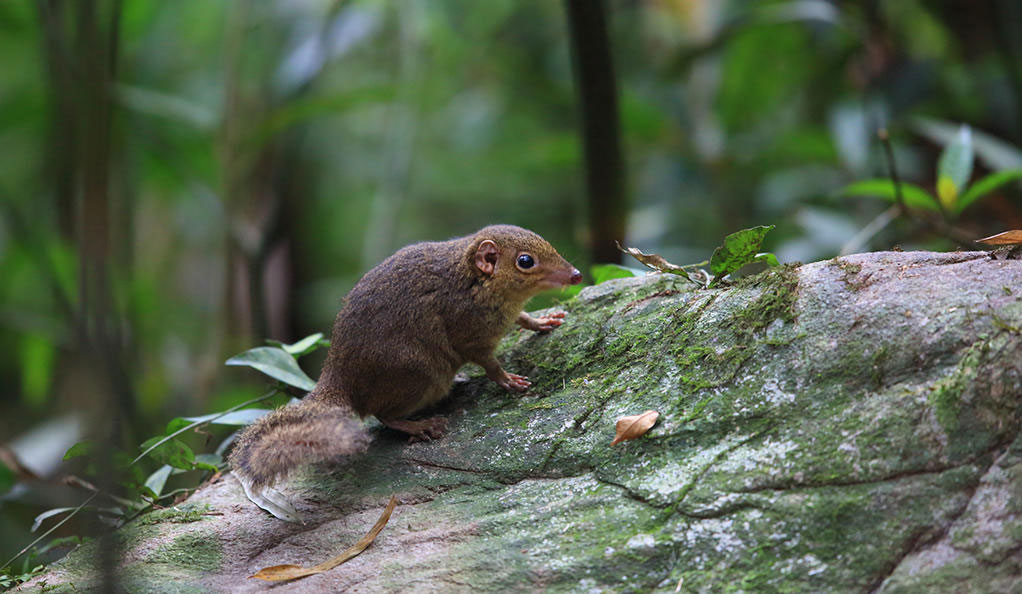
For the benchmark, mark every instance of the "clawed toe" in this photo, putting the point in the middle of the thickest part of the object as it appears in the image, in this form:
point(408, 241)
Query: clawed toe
point(423, 430)
point(515, 383)
point(429, 429)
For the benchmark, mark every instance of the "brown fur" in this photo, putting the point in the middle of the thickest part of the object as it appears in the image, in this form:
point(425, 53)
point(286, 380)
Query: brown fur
point(405, 329)
point(303, 433)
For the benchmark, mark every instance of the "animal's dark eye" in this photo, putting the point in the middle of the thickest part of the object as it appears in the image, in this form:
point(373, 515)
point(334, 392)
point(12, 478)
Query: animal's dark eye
point(525, 261)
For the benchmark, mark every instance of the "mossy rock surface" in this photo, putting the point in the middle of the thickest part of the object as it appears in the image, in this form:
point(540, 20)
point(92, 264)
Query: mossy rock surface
point(849, 425)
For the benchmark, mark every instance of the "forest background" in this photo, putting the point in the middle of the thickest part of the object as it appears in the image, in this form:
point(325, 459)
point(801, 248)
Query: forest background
point(182, 180)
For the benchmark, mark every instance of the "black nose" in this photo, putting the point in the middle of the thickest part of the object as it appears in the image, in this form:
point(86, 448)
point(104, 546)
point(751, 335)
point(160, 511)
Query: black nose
point(576, 276)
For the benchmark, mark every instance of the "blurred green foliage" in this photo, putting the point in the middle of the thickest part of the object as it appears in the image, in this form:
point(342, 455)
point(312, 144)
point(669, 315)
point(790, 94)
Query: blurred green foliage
point(953, 191)
point(261, 155)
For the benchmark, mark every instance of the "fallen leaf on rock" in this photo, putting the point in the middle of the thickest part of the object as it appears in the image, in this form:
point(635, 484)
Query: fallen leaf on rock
point(1012, 237)
point(634, 426)
point(279, 573)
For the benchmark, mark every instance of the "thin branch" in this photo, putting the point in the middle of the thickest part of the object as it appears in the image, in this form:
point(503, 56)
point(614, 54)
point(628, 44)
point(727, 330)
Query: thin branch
point(885, 141)
point(860, 239)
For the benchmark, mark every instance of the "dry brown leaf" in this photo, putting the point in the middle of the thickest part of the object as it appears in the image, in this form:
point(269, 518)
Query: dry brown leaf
point(654, 261)
point(634, 426)
point(279, 573)
point(1013, 237)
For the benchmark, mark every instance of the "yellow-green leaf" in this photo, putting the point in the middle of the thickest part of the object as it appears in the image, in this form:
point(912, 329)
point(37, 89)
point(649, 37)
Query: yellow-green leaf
point(954, 168)
point(947, 191)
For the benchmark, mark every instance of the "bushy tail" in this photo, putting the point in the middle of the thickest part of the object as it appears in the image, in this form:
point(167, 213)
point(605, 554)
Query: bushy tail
point(303, 433)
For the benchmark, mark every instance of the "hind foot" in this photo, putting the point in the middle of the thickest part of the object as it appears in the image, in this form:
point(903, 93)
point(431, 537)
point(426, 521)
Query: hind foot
point(422, 430)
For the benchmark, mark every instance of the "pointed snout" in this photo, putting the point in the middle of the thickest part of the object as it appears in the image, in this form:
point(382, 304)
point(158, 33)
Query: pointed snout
point(562, 277)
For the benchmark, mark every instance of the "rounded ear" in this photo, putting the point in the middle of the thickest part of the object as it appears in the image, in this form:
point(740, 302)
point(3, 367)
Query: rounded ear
point(486, 257)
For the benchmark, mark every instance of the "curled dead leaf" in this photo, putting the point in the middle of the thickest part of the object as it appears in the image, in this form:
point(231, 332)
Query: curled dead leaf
point(634, 426)
point(654, 261)
point(1013, 237)
point(279, 573)
point(657, 262)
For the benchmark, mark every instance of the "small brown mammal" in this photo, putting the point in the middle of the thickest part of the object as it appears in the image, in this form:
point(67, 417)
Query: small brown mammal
point(405, 329)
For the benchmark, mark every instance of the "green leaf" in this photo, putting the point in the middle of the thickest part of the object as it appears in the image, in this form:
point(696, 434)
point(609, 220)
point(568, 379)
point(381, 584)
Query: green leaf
point(955, 168)
point(62, 541)
point(145, 452)
point(158, 479)
point(238, 418)
point(7, 478)
point(213, 460)
point(172, 451)
point(739, 248)
point(181, 422)
point(605, 272)
point(553, 297)
point(303, 346)
point(38, 355)
point(914, 196)
point(985, 186)
point(82, 448)
point(210, 462)
point(134, 475)
point(768, 258)
point(276, 363)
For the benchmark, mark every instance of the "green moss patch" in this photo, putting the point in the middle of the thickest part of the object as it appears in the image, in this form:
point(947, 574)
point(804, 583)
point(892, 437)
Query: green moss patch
point(183, 514)
point(199, 551)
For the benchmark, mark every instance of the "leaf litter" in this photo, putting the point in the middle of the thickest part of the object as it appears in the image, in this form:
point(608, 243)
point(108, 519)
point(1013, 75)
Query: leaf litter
point(634, 426)
point(280, 573)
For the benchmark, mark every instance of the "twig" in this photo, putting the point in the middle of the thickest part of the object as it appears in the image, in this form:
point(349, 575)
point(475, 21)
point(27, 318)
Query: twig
point(885, 141)
point(861, 238)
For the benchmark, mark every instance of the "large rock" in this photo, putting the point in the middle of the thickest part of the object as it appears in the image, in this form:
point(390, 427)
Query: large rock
point(848, 425)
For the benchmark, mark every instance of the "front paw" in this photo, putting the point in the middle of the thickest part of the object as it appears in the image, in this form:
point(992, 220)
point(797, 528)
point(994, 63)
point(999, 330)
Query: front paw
point(514, 383)
point(547, 322)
